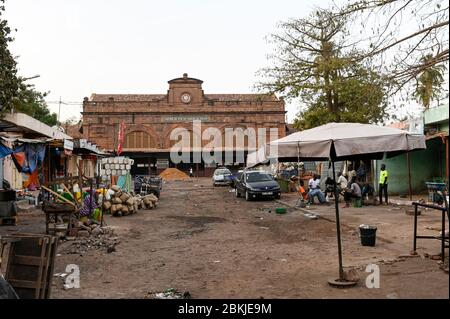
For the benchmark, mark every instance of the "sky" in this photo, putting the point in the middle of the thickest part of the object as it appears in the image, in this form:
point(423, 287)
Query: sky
point(109, 46)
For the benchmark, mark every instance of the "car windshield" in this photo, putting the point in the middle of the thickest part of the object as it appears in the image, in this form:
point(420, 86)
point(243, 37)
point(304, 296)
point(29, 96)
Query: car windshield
point(258, 177)
point(222, 172)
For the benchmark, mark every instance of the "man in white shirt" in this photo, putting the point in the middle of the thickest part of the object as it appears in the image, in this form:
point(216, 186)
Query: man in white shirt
point(314, 190)
point(341, 182)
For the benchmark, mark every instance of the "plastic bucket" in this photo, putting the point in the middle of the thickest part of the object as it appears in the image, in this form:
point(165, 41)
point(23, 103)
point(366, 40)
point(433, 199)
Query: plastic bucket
point(368, 235)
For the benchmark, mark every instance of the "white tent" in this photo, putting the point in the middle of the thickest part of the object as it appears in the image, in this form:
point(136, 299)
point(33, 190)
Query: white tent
point(339, 141)
point(335, 142)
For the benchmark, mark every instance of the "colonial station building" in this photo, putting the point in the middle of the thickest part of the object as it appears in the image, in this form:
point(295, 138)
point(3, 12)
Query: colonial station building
point(149, 120)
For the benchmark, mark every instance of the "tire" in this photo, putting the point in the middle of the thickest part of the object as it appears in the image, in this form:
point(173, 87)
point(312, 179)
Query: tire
point(277, 196)
point(236, 193)
point(247, 196)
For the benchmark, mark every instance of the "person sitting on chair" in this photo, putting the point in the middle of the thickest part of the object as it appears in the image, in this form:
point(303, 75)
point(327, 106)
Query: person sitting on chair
point(314, 190)
point(353, 192)
point(329, 186)
point(367, 190)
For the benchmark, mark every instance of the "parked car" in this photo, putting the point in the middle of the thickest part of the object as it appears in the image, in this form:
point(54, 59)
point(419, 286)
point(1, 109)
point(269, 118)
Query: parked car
point(257, 184)
point(222, 176)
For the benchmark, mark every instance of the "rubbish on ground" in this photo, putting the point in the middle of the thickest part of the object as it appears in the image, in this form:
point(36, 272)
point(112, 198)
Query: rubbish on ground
point(106, 242)
point(310, 216)
point(351, 275)
point(170, 293)
point(281, 210)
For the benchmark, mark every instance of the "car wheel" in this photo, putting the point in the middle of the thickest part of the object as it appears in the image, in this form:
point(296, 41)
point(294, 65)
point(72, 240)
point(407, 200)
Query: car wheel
point(236, 192)
point(278, 196)
point(247, 196)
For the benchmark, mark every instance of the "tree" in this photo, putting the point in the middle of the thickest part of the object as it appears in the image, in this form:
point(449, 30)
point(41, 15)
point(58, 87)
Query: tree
point(313, 61)
point(362, 99)
point(429, 83)
point(9, 82)
point(32, 102)
point(398, 33)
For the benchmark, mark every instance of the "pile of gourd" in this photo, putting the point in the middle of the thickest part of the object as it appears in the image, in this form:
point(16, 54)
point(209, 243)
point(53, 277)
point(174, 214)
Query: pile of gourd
point(122, 203)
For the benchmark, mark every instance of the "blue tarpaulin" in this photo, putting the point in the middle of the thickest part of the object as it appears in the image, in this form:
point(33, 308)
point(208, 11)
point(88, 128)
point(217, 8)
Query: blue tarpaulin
point(4, 150)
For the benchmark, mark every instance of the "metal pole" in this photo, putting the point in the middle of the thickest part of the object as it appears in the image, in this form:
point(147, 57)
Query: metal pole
point(338, 225)
point(408, 158)
point(90, 196)
point(443, 236)
point(415, 228)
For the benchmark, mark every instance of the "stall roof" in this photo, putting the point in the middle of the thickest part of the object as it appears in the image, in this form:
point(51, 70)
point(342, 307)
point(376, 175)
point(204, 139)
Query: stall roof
point(23, 123)
point(83, 146)
point(26, 140)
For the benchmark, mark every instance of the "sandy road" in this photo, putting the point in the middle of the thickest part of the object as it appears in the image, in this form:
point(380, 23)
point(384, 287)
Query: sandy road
point(204, 240)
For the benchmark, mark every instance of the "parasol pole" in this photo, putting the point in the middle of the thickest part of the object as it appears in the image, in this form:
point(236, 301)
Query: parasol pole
point(338, 224)
point(409, 176)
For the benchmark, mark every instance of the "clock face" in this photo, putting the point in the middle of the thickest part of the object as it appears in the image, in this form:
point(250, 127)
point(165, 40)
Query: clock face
point(185, 98)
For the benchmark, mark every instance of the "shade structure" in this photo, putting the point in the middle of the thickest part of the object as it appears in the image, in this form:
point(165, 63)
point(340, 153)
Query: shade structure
point(335, 142)
point(339, 141)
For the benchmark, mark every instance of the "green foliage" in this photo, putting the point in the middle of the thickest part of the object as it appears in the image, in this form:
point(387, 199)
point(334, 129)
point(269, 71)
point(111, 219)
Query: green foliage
point(9, 82)
point(362, 99)
point(32, 103)
point(429, 83)
point(313, 63)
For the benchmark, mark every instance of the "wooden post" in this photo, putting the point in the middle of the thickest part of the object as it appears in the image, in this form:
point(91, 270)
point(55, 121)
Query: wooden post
point(408, 158)
point(446, 159)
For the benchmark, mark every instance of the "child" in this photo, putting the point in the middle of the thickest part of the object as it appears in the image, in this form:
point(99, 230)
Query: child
point(302, 192)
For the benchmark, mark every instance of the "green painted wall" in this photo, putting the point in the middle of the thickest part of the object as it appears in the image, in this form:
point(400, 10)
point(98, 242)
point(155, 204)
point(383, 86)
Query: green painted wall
point(425, 164)
point(436, 114)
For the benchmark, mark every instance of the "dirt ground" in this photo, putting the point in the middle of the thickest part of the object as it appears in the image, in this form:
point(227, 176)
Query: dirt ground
point(203, 240)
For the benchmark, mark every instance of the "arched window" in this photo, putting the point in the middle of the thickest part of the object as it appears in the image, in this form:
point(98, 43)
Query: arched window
point(181, 138)
point(139, 139)
point(236, 137)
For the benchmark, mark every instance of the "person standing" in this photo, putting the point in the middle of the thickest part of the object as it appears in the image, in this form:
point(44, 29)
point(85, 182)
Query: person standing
point(191, 172)
point(361, 172)
point(383, 184)
point(351, 172)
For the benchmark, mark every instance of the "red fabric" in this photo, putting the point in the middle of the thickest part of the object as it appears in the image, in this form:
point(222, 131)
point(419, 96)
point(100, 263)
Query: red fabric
point(33, 179)
point(121, 138)
point(19, 160)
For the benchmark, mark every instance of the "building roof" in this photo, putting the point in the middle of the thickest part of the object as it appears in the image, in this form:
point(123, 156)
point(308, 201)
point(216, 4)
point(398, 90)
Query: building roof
point(242, 97)
point(158, 97)
point(290, 129)
point(185, 79)
point(126, 97)
point(258, 97)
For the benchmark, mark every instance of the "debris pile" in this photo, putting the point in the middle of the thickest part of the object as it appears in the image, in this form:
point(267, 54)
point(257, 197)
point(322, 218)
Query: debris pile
point(104, 242)
point(173, 174)
point(170, 293)
point(122, 203)
point(92, 236)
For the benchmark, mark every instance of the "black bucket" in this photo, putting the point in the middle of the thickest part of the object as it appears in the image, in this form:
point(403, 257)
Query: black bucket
point(368, 235)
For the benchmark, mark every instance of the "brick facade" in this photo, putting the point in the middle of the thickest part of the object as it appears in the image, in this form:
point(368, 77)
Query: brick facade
point(150, 118)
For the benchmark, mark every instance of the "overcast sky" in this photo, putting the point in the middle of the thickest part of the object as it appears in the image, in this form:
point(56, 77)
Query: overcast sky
point(109, 46)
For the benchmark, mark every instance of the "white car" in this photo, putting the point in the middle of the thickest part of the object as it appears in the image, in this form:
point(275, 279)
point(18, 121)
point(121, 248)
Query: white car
point(222, 176)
